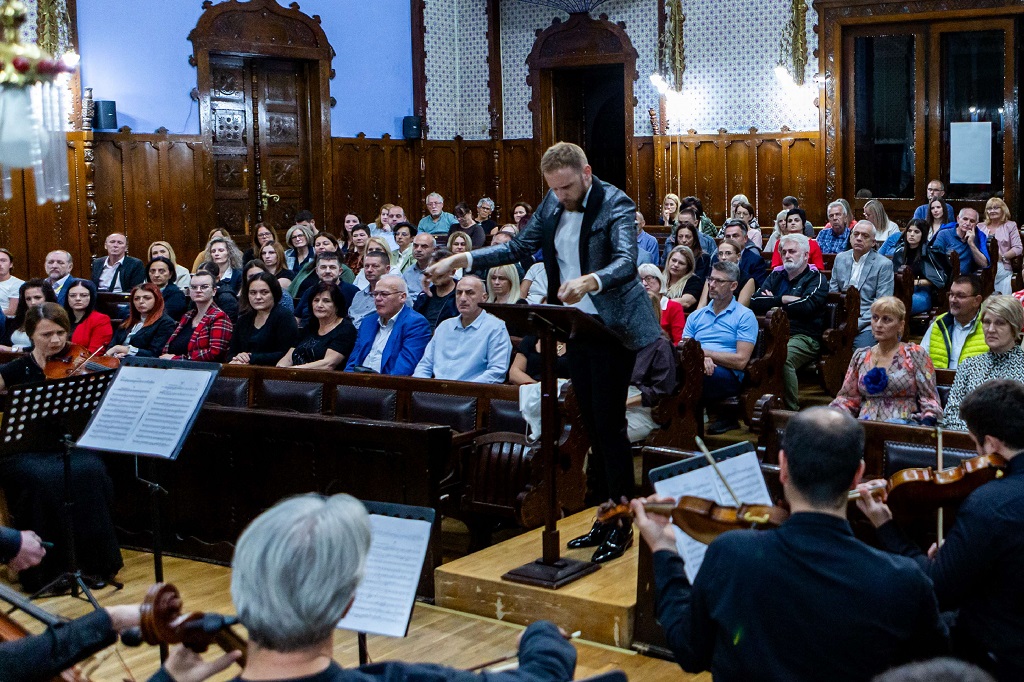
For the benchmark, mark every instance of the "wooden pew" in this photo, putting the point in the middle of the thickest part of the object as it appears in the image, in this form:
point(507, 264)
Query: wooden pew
point(842, 311)
point(903, 289)
point(679, 416)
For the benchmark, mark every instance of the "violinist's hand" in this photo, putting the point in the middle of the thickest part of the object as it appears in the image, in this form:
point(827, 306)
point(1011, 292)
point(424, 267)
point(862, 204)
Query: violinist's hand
point(933, 551)
point(123, 617)
point(655, 529)
point(185, 665)
point(874, 508)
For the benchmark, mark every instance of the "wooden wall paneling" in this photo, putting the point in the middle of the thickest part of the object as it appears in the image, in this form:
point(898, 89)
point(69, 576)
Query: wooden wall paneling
point(56, 225)
point(402, 172)
point(477, 173)
point(710, 165)
point(806, 178)
point(645, 196)
point(521, 180)
point(770, 180)
point(13, 232)
point(740, 173)
point(442, 164)
point(186, 213)
point(346, 182)
point(373, 177)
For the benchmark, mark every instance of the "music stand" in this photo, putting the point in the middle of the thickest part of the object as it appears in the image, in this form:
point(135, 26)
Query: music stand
point(41, 416)
point(551, 323)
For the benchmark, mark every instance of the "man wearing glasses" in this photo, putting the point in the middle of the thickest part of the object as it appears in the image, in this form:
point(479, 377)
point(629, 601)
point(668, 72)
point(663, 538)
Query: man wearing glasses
point(437, 221)
point(957, 335)
point(391, 341)
point(727, 332)
point(936, 190)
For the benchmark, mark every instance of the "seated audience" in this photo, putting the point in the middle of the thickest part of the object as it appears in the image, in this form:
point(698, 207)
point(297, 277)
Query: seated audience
point(117, 272)
point(682, 284)
point(729, 252)
point(376, 264)
point(181, 274)
point(438, 302)
point(527, 364)
point(204, 333)
point(672, 316)
point(653, 379)
point(764, 604)
point(788, 204)
point(204, 255)
point(468, 224)
point(801, 292)
point(929, 267)
point(707, 227)
point(473, 346)
point(670, 206)
point(987, 538)
point(291, 636)
point(690, 216)
point(998, 226)
point(954, 336)
point(751, 262)
point(835, 237)
point(484, 211)
point(437, 221)
point(867, 271)
point(9, 284)
point(328, 270)
point(504, 236)
point(648, 250)
point(686, 235)
point(534, 286)
point(265, 328)
point(940, 216)
point(423, 245)
point(359, 235)
point(306, 275)
point(503, 284)
point(227, 259)
point(305, 218)
point(327, 341)
point(33, 482)
point(890, 381)
point(727, 332)
point(936, 191)
point(795, 220)
point(262, 235)
point(392, 339)
point(747, 211)
point(147, 329)
point(299, 241)
point(778, 230)
point(32, 293)
point(402, 256)
point(90, 328)
point(161, 273)
point(1002, 319)
point(969, 243)
point(250, 270)
point(224, 296)
point(58, 269)
point(273, 258)
point(459, 242)
point(875, 213)
point(521, 213)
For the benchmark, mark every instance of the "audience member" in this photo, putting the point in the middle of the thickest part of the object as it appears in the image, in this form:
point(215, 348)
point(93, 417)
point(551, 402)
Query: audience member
point(742, 199)
point(326, 341)
point(653, 379)
point(751, 262)
point(758, 606)
point(835, 237)
point(376, 264)
point(118, 272)
point(484, 212)
point(778, 230)
point(147, 329)
point(729, 252)
point(473, 346)
point(227, 259)
point(468, 224)
point(305, 218)
point(423, 245)
point(936, 191)
point(954, 336)
point(884, 228)
point(181, 274)
point(689, 216)
point(262, 235)
point(648, 250)
point(1002, 320)
point(328, 270)
point(969, 242)
point(391, 340)
point(727, 332)
point(204, 255)
point(204, 333)
point(707, 227)
point(987, 538)
point(670, 210)
point(528, 363)
point(521, 212)
point(791, 202)
point(534, 285)
point(865, 270)
point(437, 221)
point(503, 284)
point(929, 267)
point(521, 267)
point(265, 328)
point(404, 234)
point(672, 317)
point(9, 284)
point(58, 270)
point(683, 286)
point(940, 216)
point(273, 258)
point(299, 241)
point(90, 328)
point(795, 219)
point(349, 223)
point(354, 249)
point(32, 293)
point(801, 292)
point(160, 272)
point(890, 381)
point(438, 302)
point(998, 226)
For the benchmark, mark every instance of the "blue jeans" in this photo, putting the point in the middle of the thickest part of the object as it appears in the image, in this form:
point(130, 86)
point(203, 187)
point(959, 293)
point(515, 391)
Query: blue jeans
point(922, 300)
point(722, 384)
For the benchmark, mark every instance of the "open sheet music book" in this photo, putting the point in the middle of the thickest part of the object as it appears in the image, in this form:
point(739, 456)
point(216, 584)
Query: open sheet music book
point(698, 479)
point(384, 600)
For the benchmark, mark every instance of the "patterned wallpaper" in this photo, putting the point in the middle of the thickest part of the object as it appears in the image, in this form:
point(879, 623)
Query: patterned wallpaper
point(28, 29)
point(731, 49)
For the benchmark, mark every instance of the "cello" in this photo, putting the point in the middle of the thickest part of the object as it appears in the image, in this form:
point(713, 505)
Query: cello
point(11, 630)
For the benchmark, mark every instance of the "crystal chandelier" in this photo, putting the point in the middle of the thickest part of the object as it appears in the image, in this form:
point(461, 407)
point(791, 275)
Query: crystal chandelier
point(33, 109)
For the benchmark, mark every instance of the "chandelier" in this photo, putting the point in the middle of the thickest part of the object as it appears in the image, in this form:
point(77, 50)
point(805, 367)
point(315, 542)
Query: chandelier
point(569, 6)
point(33, 109)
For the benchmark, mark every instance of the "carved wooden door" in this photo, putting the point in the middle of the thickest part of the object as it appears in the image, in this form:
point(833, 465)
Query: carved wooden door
point(260, 141)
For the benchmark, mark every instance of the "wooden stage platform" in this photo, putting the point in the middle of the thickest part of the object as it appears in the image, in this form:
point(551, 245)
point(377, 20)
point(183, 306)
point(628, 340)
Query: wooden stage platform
point(599, 605)
point(437, 635)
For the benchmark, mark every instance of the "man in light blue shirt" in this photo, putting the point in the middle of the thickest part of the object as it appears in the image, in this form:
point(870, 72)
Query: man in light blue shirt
point(437, 221)
point(376, 264)
point(648, 250)
point(423, 245)
point(474, 346)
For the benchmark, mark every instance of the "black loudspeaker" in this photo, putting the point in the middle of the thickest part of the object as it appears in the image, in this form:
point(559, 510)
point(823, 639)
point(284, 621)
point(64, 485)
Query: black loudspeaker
point(412, 127)
point(104, 115)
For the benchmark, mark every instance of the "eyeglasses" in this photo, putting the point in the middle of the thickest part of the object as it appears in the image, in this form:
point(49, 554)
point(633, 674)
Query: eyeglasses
point(960, 297)
point(200, 287)
point(719, 280)
point(650, 278)
point(384, 294)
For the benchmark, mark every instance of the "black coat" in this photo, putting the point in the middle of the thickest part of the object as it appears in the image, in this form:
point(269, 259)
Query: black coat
point(175, 302)
point(150, 340)
point(278, 334)
point(131, 272)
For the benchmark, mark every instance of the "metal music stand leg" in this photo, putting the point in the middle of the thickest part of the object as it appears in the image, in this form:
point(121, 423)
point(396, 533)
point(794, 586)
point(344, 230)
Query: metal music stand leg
point(364, 652)
point(155, 490)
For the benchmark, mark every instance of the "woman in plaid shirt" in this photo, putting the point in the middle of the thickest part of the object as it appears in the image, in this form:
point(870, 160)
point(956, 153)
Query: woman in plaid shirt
point(207, 340)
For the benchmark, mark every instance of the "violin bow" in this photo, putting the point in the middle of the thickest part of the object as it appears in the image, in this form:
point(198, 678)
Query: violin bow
point(938, 462)
point(87, 360)
point(714, 465)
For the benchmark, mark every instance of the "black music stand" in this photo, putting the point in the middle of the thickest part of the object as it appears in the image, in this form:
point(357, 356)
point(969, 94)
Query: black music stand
point(41, 416)
point(551, 323)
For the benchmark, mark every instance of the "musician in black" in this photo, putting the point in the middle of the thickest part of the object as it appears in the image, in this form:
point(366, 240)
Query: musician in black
point(979, 567)
point(806, 601)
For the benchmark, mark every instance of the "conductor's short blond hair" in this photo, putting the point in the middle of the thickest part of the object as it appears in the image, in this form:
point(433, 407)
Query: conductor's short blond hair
point(563, 155)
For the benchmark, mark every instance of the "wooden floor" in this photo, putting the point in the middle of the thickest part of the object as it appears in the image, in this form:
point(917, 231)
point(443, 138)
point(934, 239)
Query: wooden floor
point(437, 635)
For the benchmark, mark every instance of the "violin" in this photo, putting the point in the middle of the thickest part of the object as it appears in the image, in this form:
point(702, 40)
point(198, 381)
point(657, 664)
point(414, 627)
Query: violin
point(162, 622)
point(704, 520)
point(11, 630)
point(76, 360)
point(926, 487)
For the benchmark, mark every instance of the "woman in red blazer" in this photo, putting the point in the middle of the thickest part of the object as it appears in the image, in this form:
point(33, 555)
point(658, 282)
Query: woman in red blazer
point(89, 328)
point(673, 317)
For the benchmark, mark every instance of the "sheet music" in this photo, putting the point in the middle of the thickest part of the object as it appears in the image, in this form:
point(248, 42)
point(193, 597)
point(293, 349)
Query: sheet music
point(384, 600)
point(744, 475)
point(146, 411)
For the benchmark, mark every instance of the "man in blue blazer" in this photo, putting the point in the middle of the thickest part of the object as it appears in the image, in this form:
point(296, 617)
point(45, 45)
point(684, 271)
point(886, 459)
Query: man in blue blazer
point(391, 341)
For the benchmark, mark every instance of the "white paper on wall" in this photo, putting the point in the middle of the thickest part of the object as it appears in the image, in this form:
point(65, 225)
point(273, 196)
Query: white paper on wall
point(970, 153)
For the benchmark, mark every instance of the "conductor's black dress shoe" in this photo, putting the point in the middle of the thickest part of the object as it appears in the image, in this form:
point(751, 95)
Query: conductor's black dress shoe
point(615, 545)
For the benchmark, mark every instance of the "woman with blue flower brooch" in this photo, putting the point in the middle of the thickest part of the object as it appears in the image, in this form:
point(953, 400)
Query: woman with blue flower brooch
point(890, 381)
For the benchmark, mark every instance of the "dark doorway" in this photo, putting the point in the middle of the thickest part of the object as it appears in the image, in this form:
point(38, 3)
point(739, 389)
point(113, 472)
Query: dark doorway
point(589, 109)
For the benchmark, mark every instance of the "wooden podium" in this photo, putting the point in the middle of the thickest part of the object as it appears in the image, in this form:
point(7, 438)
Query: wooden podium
point(551, 323)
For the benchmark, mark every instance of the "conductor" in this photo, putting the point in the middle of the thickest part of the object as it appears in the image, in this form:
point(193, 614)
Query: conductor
point(586, 231)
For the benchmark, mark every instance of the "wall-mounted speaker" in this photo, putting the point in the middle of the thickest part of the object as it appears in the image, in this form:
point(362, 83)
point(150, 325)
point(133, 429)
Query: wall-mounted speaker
point(104, 115)
point(412, 127)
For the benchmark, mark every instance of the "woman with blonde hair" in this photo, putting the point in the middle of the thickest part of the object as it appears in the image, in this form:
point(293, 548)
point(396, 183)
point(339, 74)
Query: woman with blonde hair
point(161, 248)
point(670, 209)
point(670, 315)
point(299, 240)
point(1002, 320)
point(998, 225)
point(204, 255)
point(891, 381)
point(884, 228)
point(681, 284)
point(503, 284)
